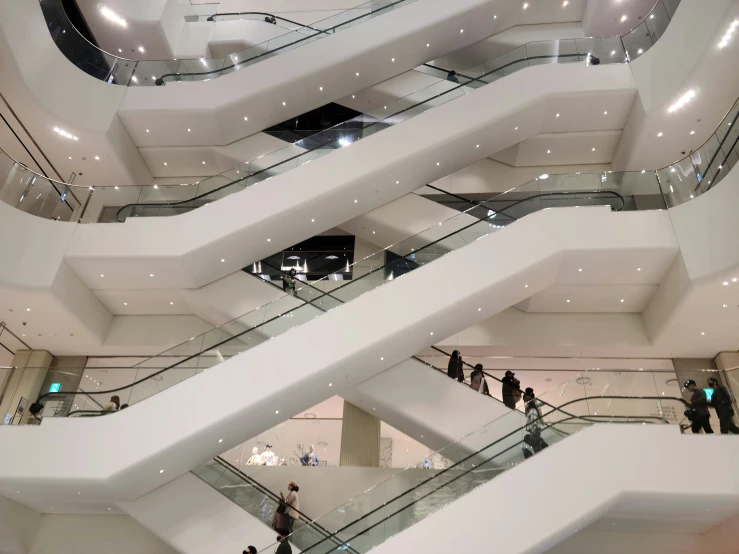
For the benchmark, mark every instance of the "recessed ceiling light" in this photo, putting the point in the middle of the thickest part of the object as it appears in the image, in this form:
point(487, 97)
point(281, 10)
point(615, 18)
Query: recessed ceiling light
point(97, 157)
point(220, 441)
point(623, 18)
point(171, 303)
point(28, 309)
point(638, 269)
point(525, 6)
point(392, 60)
point(726, 283)
point(544, 176)
point(431, 333)
point(320, 88)
point(330, 384)
point(151, 275)
point(165, 163)
point(726, 305)
point(733, 280)
point(549, 151)
point(141, 49)
point(525, 286)
point(147, 130)
point(640, 51)
point(189, 130)
point(692, 132)
point(659, 134)
point(277, 411)
point(651, 16)
point(605, 113)
point(622, 300)
point(101, 275)
point(580, 269)
point(568, 300)
point(357, 74)
point(125, 303)
point(269, 240)
point(684, 99)
point(477, 146)
point(479, 309)
point(246, 118)
point(702, 333)
point(203, 162)
point(70, 157)
point(222, 260)
point(564, 4)
point(284, 103)
point(613, 52)
point(557, 115)
point(427, 45)
point(155, 185)
point(495, 17)
point(516, 129)
point(110, 15)
point(120, 51)
point(593, 150)
point(461, 30)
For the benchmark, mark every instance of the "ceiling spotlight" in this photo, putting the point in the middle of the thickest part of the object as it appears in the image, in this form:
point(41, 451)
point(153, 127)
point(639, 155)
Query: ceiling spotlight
point(65, 134)
point(622, 300)
point(568, 300)
point(246, 118)
point(729, 34)
point(549, 151)
point(613, 52)
point(684, 99)
point(638, 269)
point(141, 49)
point(110, 15)
point(564, 4)
point(640, 51)
point(703, 334)
point(189, 130)
point(461, 30)
point(557, 115)
point(525, 6)
point(222, 260)
point(659, 134)
point(151, 275)
point(580, 269)
point(148, 129)
point(726, 305)
point(692, 132)
point(125, 303)
point(171, 303)
point(593, 150)
point(605, 113)
point(726, 283)
point(623, 18)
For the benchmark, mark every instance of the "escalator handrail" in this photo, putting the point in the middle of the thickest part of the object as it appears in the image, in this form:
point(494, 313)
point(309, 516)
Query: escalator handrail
point(271, 52)
point(215, 16)
point(718, 149)
point(264, 490)
point(470, 456)
point(371, 272)
point(309, 150)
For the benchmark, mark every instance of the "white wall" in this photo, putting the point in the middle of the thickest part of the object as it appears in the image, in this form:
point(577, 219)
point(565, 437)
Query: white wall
point(687, 57)
point(91, 534)
point(18, 526)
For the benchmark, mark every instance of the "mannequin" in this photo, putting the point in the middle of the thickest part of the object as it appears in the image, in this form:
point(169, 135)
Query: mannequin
point(268, 457)
point(256, 459)
point(309, 458)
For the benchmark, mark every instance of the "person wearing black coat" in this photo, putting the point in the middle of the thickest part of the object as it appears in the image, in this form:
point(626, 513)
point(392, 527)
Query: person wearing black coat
point(721, 402)
point(454, 369)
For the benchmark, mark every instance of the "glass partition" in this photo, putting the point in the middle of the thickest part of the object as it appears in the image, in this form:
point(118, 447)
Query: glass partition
point(409, 496)
point(313, 299)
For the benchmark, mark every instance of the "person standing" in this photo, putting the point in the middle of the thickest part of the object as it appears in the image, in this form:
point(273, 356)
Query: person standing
point(113, 405)
point(288, 282)
point(293, 503)
point(478, 382)
point(284, 547)
point(699, 403)
point(509, 387)
point(309, 458)
point(721, 401)
point(268, 457)
point(454, 368)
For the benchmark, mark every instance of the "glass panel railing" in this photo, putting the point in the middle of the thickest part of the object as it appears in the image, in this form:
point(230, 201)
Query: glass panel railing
point(38, 195)
point(289, 311)
point(407, 498)
point(121, 71)
point(346, 133)
point(164, 200)
point(258, 501)
point(704, 168)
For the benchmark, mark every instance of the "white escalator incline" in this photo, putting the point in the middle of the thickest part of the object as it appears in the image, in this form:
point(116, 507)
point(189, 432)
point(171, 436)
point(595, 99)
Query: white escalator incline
point(406, 499)
point(210, 410)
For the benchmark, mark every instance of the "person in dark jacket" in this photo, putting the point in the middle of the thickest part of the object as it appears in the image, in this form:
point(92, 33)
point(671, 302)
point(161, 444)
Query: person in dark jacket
point(699, 403)
point(454, 369)
point(721, 402)
point(284, 547)
point(452, 76)
point(508, 389)
point(250, 550)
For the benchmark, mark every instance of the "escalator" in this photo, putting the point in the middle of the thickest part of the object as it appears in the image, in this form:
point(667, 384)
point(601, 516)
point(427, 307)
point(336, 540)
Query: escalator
point(313, 299)
point(365, 125)
point(408, 497)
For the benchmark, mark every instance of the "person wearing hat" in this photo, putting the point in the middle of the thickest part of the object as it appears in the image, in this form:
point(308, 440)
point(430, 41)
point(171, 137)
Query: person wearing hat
point(250, 550)
point(699, 403)
point(293, 503)
point(508, 388)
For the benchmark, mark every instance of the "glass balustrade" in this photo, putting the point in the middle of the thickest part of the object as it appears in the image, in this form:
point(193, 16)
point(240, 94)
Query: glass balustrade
point(164, 200)
point(313, 299)
point(127, 72)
